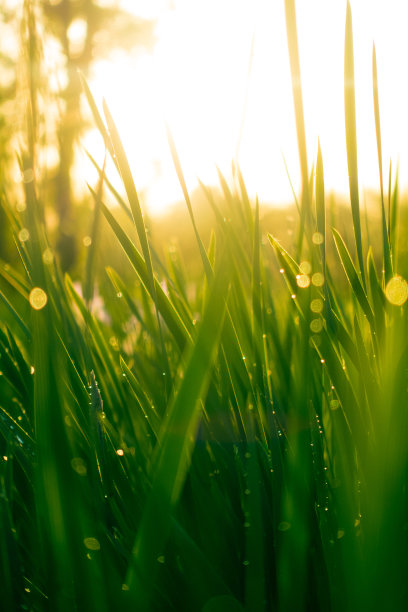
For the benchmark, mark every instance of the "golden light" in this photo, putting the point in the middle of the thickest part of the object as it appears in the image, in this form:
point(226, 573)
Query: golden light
point(219, 77)
point(397, 291)
point(37, 298)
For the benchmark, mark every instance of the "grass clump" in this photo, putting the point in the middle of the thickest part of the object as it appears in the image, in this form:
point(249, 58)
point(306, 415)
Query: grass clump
point(235, 445)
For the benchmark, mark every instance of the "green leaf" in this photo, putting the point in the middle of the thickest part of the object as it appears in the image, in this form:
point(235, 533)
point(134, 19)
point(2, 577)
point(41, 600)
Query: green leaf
point(175, 445)
point(353, 277)
point(351, 137)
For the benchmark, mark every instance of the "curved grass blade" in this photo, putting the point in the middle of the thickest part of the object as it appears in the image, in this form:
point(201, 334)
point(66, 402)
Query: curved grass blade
point(292, 37)
point(386, 244)
point(165, 307)
point(351, 137)
point(353, 277)
point(176, 161)
point(15, 315)
point(111, 188)
point(137, 214)
point(175, 445)
point(89, 268)
point(320, 205)
point(97, 118)
point(129, 185)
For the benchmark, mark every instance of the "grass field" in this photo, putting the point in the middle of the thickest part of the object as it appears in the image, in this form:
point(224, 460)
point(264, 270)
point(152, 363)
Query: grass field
point(232, 440)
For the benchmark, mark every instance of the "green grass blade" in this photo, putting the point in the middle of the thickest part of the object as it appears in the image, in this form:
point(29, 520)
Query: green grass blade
point(176, 442)
point(353, 277)
point(97, 118)
point(111, 188)
point(386, 244)
point(165, 307)
point(320, 205)
point(91, 255)
point(15, 315)
point(351, 136)
point(292, 37)
point(129, 184)
point(180, 176)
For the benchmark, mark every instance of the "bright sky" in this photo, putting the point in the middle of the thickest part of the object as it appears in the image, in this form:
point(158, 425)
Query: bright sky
point(196, 80)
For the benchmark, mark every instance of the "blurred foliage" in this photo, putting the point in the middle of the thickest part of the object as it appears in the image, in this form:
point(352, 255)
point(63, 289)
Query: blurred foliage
point(85, 30)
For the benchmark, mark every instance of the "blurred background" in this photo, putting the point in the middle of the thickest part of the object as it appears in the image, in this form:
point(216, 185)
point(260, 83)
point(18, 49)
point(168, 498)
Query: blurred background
point(216, 72)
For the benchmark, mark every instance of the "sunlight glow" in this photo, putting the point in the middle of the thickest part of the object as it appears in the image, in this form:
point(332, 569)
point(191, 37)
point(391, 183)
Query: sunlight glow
point(197, 79)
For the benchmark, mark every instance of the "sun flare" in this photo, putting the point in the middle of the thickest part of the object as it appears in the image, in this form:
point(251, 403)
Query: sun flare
point(219, 78)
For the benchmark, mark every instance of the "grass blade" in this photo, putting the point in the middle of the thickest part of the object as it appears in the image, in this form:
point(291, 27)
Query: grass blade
point(351, 136)
point(176, 441)
point(353, 277)
point(386, 244)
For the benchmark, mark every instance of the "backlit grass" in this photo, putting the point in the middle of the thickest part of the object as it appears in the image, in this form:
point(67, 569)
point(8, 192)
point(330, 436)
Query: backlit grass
point(239, 443)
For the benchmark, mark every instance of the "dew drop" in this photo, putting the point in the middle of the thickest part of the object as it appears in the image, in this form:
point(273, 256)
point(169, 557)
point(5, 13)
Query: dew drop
point(316, 305)
point(318, 279)
point(23, 235)
point(316, 326)
point(305, 267)
point(79, 466)
point(92, 544)
point(48, 257)
point(396, 291)
point(37, 298)
point(302, 281)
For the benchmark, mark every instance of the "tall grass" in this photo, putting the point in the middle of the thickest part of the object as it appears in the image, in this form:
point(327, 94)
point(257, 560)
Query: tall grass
point(238, 446)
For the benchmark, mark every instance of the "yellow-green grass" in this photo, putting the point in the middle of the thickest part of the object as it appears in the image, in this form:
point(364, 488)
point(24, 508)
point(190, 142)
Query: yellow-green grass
point(234, 443)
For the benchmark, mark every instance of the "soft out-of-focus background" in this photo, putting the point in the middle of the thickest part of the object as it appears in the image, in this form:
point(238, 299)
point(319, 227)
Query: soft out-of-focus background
point(217, 73)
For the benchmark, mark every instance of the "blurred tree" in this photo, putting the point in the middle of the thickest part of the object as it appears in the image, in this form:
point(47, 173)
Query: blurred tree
point(85, 30)
point(8, 61)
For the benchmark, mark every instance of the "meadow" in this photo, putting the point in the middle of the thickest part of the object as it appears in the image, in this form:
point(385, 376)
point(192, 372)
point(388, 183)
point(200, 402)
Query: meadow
point(223, 434)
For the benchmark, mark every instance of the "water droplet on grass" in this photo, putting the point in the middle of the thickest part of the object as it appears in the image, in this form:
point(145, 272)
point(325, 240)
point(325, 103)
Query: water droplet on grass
point(316, 326)
point(302, 281)
point(37, 298)
point(397, 291)
point(318, 279)
point(48, 256)
point(92, 544)
point(316, 305)
point(23, 235)
point(79, 466)
point(317, 238)
point(305, 267)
